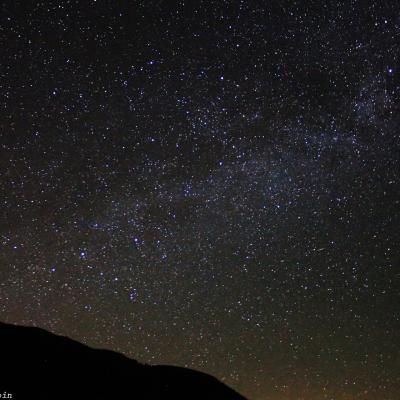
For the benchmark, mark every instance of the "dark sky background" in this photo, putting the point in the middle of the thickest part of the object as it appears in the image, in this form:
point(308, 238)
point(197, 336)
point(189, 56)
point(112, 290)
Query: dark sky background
point(210, 184)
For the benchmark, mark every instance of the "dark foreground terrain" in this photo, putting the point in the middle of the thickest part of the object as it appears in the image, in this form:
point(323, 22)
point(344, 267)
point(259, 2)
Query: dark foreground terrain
point(37, 364)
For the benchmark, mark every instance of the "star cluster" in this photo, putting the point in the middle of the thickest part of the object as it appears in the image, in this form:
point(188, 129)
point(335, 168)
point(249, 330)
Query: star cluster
point(208, 184)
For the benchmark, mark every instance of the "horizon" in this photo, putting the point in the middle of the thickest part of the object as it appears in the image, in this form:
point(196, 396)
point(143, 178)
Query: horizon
point(212, 185)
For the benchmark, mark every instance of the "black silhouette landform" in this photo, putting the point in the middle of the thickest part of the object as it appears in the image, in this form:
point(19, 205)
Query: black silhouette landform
point(37, 364)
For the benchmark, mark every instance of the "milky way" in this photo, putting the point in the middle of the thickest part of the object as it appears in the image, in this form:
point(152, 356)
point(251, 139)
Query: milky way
point(207, 184)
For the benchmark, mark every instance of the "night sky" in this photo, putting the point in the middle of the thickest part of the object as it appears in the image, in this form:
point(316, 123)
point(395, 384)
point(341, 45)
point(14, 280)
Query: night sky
point(210, 184)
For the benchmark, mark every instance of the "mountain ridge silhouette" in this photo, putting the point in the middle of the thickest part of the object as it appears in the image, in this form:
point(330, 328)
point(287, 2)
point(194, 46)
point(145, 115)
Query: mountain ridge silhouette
point(38, 364)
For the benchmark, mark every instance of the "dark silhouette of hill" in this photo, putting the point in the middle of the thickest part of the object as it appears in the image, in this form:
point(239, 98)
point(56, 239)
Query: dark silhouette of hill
point(36, 364)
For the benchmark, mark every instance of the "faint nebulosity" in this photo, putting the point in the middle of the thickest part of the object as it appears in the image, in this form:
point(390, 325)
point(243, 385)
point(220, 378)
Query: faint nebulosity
point(211, 184)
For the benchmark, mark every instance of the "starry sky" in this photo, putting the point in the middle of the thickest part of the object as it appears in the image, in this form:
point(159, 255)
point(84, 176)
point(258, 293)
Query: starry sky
point(209, 184)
